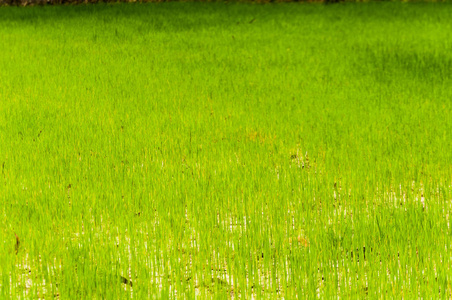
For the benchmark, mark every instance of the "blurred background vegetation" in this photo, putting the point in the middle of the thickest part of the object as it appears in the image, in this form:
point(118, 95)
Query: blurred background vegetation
point(70, 2)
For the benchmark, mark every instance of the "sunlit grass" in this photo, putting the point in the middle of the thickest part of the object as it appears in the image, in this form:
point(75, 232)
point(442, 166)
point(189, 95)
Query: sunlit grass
point(225, 150)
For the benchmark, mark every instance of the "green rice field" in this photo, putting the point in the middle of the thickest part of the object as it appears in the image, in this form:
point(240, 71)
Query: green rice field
point(226, 151)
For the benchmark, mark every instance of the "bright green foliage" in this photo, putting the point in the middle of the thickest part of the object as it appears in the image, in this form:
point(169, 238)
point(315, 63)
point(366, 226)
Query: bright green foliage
point(223, 150)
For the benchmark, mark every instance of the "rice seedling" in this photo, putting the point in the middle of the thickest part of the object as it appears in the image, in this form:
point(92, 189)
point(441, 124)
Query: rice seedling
point(218, 150)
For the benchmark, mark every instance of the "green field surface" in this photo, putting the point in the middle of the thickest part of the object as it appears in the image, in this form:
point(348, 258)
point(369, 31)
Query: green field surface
point(219, 150)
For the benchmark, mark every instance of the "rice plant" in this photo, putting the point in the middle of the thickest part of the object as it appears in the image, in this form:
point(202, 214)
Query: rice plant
point(226, 150)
